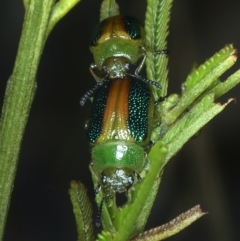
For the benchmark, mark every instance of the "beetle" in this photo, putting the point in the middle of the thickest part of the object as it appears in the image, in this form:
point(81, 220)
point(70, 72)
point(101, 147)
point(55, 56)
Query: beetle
point(117, 44)
point(119, 131)
point(120, 125)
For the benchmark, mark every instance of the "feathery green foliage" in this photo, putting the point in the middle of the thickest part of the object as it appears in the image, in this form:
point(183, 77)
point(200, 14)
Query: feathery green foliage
point(156, 29)
point(178, 118)
point(83, 211)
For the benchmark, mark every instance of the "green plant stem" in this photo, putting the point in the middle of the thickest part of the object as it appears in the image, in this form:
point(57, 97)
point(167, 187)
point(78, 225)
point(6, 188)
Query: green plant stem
point(19, 95)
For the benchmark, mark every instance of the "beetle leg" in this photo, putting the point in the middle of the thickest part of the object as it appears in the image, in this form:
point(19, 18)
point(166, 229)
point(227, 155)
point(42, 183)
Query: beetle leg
point(139, 68)
point(138, 177)
point(95, 76)
point(97, 189)
point(162, 51)
point(99, 213)
point(161, 99)
point(153, 51)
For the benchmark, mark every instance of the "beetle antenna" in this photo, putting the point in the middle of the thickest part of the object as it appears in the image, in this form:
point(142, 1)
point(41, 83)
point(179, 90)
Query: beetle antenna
point(91, 91)
point(151, 82)
point(162, 51)
point(99, 213)
point(97, 189)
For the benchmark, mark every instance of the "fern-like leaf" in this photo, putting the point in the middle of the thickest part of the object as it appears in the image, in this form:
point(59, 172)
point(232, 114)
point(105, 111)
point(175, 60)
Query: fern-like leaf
point(82, 210)
point(156, 28)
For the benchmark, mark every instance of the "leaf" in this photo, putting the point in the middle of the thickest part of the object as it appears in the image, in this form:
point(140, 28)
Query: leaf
point(108, 8)
point(226, 85)
point(82, 210)
point(61, 8)
point(200, 80)
point(191, 123)
point(105, 236)
point(156, 28)
point(128, 216)
point(195, 76)
point(146, 209)
point(169, 229)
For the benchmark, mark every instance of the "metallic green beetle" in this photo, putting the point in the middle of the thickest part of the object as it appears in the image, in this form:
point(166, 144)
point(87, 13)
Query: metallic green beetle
point(119, 129)
point(117, 42)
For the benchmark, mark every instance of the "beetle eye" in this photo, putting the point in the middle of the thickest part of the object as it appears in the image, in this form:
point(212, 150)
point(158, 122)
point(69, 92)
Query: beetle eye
point(127, 66)
point(104, 68)
point(104, 178)
point(130, 180)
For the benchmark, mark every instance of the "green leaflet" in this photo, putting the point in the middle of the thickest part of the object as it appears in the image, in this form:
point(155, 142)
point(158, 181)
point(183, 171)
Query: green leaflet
point(108, 8)
point(82, 210)
point(156, 29)
point(201, 80)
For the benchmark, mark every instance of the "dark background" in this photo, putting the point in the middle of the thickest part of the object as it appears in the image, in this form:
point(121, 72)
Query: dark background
point(55, 149)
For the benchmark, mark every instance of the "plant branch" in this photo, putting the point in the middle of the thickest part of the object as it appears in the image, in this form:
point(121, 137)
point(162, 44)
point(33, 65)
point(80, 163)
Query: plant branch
point(19, 95)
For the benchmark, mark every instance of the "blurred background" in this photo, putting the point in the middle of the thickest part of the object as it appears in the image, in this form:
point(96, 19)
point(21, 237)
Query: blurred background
point(55, 149)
